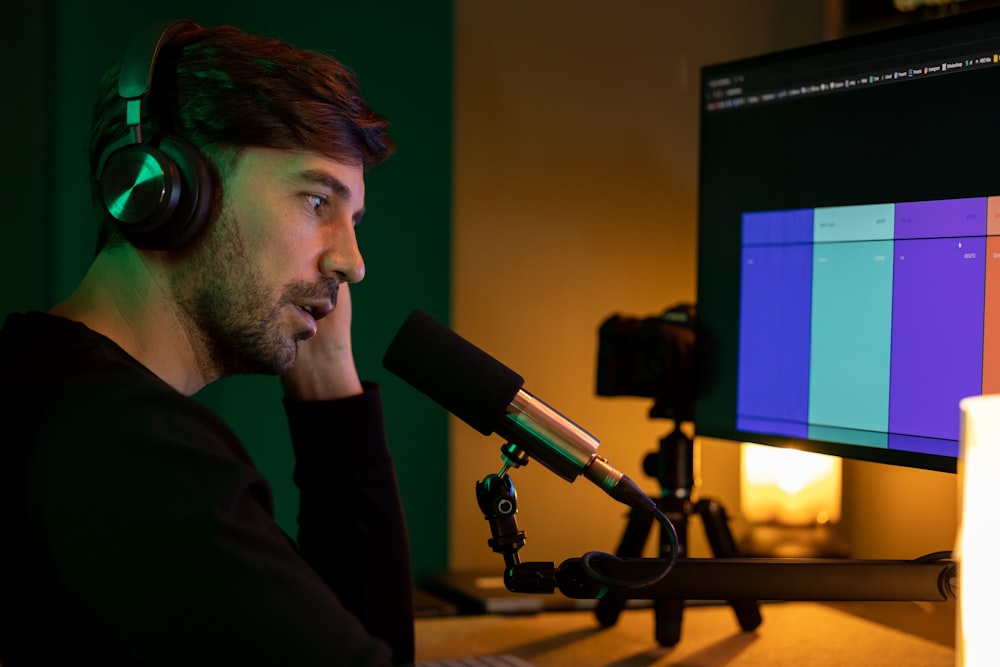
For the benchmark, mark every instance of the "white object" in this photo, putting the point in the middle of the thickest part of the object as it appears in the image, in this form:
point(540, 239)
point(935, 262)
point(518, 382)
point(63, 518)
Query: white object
point(978, 644)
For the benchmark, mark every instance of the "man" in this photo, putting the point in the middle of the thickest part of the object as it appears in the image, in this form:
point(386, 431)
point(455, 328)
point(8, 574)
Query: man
point(228, 172)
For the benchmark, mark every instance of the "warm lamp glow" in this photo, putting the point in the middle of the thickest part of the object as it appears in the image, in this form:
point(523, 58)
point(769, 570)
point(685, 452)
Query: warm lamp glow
point(789, 487)
point(978, 537)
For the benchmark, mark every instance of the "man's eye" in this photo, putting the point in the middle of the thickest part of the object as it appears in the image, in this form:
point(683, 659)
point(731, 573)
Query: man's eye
point(315, 202)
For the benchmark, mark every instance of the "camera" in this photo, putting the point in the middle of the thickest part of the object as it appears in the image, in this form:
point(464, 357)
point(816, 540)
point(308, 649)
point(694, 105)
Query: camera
point(652, 357)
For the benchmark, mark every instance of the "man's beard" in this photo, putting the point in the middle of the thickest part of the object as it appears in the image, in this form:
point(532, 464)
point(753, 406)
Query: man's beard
point(230, 307)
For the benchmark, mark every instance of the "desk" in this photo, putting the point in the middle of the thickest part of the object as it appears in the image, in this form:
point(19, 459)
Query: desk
point(793, 633)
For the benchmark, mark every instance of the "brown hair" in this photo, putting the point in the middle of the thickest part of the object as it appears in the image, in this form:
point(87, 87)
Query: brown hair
point(223, 90)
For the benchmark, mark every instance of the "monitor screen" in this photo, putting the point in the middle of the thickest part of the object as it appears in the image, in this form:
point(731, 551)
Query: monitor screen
point(849, 242)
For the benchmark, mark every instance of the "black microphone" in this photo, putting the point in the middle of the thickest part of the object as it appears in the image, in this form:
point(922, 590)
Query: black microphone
point(488, 396)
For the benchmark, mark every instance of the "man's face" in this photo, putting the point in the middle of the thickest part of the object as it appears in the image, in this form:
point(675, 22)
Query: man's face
point(269, 266)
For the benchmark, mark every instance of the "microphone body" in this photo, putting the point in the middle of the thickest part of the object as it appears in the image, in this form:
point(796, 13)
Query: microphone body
point(489, 396)
point(557, 443)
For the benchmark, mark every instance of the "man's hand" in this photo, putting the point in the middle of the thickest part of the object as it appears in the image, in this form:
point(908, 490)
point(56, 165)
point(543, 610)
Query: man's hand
point(324, 368)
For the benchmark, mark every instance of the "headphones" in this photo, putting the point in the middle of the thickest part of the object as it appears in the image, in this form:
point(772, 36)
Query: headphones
point(157, 189)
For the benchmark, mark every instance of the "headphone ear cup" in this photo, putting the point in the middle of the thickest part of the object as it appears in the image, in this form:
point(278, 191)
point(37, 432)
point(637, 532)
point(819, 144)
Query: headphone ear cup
point(160, 194)
point(194, 205)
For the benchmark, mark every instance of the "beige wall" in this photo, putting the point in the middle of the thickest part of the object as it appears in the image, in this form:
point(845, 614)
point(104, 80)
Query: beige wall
point(576, 136)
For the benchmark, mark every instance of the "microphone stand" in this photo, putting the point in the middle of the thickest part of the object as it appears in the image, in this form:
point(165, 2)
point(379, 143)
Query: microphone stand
point(498, 502)
point(932, 578)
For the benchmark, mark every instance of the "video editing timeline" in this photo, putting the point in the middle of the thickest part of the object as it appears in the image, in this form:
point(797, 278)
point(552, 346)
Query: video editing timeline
point(751, 87)
point(866, 325)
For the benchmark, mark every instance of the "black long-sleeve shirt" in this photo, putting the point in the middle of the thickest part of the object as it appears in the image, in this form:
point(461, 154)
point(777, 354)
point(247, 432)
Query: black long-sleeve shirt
point(136, 530)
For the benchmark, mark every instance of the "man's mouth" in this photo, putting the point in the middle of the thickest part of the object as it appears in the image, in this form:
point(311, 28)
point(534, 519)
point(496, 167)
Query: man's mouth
point(316, 310)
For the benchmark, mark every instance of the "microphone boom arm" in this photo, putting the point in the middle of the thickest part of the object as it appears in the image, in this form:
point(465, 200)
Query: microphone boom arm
point(932, 578)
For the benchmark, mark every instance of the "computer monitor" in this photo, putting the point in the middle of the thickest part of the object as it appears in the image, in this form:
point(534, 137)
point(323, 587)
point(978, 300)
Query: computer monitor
point(849, 242)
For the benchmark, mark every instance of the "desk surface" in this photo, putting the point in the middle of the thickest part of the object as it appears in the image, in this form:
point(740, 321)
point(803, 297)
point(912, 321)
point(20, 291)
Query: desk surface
point(792, 633)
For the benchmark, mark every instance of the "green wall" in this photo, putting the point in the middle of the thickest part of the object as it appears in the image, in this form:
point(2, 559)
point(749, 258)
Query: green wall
point(402, 53)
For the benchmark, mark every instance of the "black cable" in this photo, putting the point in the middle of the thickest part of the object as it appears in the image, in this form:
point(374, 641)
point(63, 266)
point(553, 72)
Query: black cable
point(630, 494)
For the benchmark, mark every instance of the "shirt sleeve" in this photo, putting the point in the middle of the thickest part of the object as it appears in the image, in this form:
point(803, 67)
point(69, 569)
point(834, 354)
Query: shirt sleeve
point(161, 533)
point(351, 522)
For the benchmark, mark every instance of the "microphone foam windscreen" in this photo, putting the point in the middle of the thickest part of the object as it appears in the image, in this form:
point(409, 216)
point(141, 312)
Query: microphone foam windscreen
point(463, 379)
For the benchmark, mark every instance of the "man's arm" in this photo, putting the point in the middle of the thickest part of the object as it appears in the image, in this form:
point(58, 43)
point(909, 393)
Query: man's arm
point(161, 531)
point(352, 528)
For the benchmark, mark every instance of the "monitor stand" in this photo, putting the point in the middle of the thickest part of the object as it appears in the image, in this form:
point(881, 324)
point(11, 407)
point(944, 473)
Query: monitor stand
point(673, 466)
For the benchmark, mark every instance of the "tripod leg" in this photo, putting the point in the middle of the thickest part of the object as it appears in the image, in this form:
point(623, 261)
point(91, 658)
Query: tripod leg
point(633, 540)
point(669, 616)
point(720, 539)
point(670, 613)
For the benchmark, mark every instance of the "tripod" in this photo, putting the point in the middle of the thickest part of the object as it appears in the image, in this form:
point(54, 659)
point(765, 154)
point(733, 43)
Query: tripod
point(673, 466)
